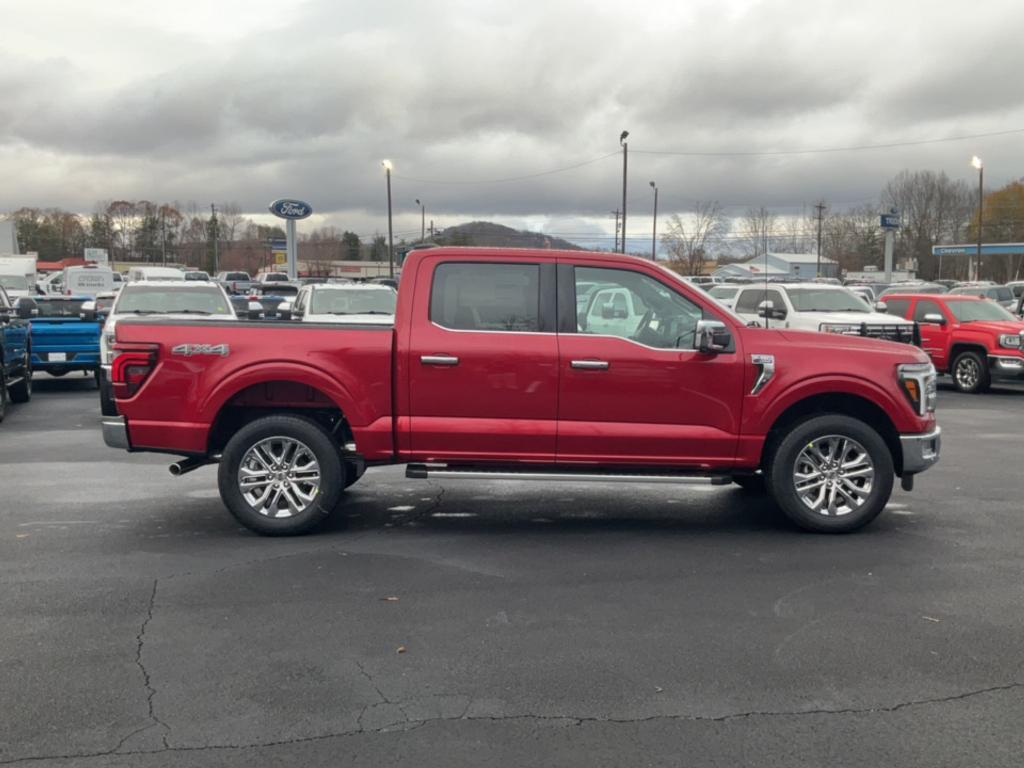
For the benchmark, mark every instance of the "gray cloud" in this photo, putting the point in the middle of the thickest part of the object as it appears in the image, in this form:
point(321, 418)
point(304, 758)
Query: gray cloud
point(455, 92)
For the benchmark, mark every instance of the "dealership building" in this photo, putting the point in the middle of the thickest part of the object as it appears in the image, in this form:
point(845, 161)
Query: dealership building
point(779, 266)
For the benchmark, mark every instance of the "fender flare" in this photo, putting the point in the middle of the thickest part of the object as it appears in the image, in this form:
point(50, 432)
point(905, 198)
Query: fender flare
point(831, 384)
point(264, 373)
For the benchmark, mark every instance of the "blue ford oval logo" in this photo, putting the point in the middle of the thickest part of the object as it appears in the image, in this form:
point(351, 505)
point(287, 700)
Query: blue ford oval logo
point(291, 209)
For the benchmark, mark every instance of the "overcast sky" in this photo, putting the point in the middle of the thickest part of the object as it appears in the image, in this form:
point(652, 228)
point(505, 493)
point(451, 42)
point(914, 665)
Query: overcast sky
point(248, 100)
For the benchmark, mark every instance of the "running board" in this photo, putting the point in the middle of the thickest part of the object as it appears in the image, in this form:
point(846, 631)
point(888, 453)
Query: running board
point(444, 472)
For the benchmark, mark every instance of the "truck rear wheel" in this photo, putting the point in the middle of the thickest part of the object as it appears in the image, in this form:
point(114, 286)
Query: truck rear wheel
point(831, 474)
point(281, 475)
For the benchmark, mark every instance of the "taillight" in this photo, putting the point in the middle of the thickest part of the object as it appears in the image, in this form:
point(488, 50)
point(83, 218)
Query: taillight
point(130, 368)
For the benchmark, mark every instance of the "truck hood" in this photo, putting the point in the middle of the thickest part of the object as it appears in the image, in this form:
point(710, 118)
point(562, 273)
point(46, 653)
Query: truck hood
point(994, 326)
point(831, 341)
point(856, 318)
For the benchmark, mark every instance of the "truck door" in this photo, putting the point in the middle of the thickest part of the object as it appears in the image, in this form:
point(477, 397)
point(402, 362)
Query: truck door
point(483, 361)
point(642, 394)
point(934, 336)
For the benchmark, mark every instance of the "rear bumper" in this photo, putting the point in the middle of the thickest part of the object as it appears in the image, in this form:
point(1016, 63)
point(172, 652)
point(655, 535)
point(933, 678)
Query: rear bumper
point(921, 451)
point(74, 361)
point(115, 433)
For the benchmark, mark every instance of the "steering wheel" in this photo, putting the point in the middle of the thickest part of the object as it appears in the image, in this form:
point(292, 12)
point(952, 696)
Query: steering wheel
point(642, 325)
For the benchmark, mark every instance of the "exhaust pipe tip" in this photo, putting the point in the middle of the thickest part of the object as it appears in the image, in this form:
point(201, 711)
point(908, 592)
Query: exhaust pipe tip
point(189, 464)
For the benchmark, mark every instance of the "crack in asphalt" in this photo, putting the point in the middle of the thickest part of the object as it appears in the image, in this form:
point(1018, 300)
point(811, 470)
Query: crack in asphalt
point(140, 640)
point(571, 720)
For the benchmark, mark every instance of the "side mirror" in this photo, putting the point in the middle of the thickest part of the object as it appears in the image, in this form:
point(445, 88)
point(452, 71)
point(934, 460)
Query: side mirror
point(881, 306)
point(934, 318)
point(26, 308)
point(711, 336)
point(767, 309)
point(284, 310)
point(88, 312)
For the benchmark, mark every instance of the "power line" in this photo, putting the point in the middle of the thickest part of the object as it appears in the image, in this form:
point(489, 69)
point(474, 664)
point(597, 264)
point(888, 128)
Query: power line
point(824, 150)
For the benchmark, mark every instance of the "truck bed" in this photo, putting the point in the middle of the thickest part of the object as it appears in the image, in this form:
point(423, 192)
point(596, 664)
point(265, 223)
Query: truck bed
point(207, 369)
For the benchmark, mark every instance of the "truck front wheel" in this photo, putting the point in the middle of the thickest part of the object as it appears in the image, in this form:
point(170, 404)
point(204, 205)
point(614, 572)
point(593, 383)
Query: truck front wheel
point(831, 474)
point(281, 475)
point(970, 373)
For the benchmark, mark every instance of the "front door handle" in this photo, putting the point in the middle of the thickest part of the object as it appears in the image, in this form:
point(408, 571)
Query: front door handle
point(439, 360)
point(590, 365)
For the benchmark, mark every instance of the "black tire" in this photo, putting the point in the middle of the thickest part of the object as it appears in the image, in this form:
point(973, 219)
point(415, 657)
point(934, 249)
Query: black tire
point(107, 405)
point(22, 391)
point(970, 373)
point(752, 484)
point(58, 372)
point(327, 455)
point(782, 466)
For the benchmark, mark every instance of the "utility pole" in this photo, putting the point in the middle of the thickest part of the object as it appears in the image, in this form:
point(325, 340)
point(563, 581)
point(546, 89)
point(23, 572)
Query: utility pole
point(654, 229)
point(616, 248)
point(625, 164)
point(163, 240)
point(213, 212)
point(431, 229)
point(820, 208)
point(423, 220)
point(976, 163)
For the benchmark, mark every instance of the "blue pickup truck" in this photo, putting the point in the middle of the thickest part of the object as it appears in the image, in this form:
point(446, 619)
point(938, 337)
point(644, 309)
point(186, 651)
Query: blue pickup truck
point(15, 360)
point(62, 341)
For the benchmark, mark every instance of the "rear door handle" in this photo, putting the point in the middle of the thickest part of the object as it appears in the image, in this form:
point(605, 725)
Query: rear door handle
point(439, 360)
point(590, 365)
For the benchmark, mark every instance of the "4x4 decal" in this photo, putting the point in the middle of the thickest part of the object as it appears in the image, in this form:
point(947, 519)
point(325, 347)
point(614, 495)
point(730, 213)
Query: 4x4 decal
point(191, 350)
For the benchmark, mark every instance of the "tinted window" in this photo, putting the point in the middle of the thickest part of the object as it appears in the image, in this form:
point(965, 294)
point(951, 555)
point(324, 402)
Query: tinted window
point(1001, 294)
point(486, 297)
point(631, 305)
point(59, 307)
point(237, 276)
point(926, 307)
point(751, 298)
point(898, 307)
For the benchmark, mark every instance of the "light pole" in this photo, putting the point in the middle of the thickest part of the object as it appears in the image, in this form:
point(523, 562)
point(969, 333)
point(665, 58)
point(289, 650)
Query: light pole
point(976, 163)
point(654, 231)
point(423, 221)
point(391, 242)
point(625, 161)
point(216, 259)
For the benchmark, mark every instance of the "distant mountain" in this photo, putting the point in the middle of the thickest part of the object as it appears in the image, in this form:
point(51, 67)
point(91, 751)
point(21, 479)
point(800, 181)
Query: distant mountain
point(485, 233)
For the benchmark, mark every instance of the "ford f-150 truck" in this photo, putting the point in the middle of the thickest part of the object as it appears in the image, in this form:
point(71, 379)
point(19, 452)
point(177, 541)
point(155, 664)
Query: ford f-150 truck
point(491, 372)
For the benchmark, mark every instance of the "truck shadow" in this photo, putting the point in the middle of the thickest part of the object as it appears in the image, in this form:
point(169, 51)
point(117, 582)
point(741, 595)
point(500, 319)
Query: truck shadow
point(73, 381)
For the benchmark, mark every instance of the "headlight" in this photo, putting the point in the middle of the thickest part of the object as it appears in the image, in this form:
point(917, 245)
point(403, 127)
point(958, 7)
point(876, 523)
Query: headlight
point(918, 382)
point(1010, 341)
point(845, 328)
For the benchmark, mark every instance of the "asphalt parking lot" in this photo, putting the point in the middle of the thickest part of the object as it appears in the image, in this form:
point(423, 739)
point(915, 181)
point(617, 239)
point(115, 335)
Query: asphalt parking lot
point(504, 624)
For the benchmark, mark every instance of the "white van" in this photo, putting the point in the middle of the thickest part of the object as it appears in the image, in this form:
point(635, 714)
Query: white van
point(142, 274)
point(88, 280)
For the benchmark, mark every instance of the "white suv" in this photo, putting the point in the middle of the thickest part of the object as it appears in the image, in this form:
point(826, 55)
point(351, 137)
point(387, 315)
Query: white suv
point(817, 307)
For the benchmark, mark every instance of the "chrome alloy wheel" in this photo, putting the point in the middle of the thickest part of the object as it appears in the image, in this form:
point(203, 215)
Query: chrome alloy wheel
point(833, 475)
point(967, 372)
point(279, 477)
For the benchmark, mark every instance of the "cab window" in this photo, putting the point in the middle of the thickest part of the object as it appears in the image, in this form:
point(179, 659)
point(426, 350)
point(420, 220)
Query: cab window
point(897, 307)
point(634, 306)
point(926, 307)
point(486, 297)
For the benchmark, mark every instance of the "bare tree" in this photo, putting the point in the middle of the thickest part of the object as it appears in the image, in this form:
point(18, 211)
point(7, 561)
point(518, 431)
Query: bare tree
point(230, 221)
point(757, 228)
point(689, 241)
point(934, 209)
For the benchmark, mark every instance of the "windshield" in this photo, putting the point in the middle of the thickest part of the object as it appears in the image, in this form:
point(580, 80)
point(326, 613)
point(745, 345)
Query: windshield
point(14, 282)
point(1001, 294)
point(975, 311)
point(196, 276)
point(825, 300)
point(59, 307)
point(275, 277)
point(724, 291)
point(164, 299)
point(353, 301)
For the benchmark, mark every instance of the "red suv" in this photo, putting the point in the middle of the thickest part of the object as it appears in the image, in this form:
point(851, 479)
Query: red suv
point(973, 339)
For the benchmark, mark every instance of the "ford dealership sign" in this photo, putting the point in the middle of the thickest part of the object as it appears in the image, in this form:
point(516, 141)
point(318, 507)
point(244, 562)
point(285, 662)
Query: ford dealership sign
point(291, 209)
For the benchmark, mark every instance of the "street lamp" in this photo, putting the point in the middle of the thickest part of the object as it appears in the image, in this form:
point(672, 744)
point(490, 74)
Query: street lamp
point(976, 163)
point(654, 231)
point(625, 160)
point(423, 220)
point(391, 243)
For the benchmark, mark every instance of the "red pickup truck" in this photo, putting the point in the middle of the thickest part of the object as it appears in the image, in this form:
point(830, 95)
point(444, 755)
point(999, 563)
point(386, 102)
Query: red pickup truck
point(499, 366)
point(973, 339)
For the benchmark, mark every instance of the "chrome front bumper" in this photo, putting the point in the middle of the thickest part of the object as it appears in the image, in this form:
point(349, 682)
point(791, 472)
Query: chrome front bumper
point(920, 451)
point(115, 433)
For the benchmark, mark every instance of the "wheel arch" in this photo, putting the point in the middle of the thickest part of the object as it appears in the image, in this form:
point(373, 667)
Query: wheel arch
point(844, 403)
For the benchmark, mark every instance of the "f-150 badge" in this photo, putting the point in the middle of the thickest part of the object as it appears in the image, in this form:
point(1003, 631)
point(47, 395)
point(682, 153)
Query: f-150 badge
point(191, 350)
